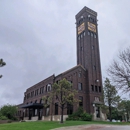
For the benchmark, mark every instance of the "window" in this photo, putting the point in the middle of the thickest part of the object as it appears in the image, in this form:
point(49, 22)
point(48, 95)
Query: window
point(95, 36)
point(79, 74)
point(84, 33)
point(78, 37)
point(88, 32)
point(91, 34)
point(92, 47)
point(98, 112)
point(80, 101)
point(56, 108)
point(69, 109)
point(81, 35)
point(80, 86)
point(94, 67)
point(96, 89)
point(97, 99)
point(92, 87)
point(81, 48)
point(48, 87)
point(100, 89)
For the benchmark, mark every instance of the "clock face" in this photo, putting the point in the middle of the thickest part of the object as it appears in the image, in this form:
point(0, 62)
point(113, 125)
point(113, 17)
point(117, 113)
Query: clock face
point(81, 28)
point(92, 27)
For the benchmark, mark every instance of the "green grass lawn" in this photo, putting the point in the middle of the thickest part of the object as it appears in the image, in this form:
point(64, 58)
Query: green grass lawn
point(46, 125)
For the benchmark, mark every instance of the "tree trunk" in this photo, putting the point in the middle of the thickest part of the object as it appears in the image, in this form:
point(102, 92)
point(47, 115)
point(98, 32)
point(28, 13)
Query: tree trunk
point(62, 108)
point(110, 113)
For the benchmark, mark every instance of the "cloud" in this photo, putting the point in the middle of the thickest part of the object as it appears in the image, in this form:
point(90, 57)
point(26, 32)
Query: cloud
point(38, 39)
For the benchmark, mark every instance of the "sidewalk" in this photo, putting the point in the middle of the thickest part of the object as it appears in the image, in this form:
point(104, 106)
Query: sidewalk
point(82, 127)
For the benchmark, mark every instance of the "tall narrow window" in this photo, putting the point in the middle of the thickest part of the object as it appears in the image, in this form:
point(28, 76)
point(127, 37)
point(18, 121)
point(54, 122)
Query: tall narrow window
point(88, 32)
point(80, 86)
point(69, 109)
point(100, 89)
point(92, 34)
point(95, 36)
point(92, 87)
point(80, 101)
point(56, 108)
point(84, 33)
point(81, 35)
point(96, 88)
point(94, 67)
point(78, 37)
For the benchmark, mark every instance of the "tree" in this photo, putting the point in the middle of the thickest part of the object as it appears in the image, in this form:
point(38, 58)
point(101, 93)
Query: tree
point(119, 71)
point(124, 108)
point(63, 93)
point(110, 96)
point(2, 63)
point(8, 111)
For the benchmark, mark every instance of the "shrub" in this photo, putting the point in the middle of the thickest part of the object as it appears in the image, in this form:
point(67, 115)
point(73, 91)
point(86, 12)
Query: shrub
point(3, 118)
point(86, 117)
point(80, 115)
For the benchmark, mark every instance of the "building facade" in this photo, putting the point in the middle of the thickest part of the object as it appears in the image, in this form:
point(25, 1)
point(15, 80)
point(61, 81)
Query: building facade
point(86, 77)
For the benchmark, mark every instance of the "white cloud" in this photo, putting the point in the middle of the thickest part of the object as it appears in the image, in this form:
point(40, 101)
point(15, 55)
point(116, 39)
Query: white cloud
point(37, 39)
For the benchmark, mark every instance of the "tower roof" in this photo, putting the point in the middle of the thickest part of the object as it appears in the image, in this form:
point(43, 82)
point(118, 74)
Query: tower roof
point(87, 10)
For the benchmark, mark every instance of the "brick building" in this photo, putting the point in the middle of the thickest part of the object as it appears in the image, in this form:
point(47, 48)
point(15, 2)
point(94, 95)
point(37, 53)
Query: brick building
point(86, 76)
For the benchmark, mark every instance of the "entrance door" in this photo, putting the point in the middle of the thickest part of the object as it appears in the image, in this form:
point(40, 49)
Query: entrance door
point(98, 112)
point(40, 114)
point(30, 114)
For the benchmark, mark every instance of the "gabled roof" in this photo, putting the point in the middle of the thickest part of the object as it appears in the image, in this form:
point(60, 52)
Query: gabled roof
point(75, 67)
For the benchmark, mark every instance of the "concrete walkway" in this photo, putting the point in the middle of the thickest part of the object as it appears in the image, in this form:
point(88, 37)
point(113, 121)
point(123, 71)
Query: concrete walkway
point(95, 127)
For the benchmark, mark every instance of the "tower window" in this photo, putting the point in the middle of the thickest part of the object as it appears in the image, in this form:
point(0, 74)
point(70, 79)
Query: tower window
point(95, 36)
point(80, 86)
point(78, 37)
point(81, 35)
point(81, 48)
point(88, 32)
point(92, 87)
point(100, 89)
point(84, 33)
point(94, 67)
point(92, 34)
point(96, 89)
point(92, 47)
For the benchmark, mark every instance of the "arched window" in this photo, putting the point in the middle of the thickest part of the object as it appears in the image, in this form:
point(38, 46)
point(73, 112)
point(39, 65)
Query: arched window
point(48, 87)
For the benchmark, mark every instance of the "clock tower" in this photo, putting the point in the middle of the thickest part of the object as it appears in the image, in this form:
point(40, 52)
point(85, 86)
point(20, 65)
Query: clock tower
point(89, 57)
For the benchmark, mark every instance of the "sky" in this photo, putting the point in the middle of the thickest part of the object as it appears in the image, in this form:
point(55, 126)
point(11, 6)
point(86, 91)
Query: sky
point(38, 39)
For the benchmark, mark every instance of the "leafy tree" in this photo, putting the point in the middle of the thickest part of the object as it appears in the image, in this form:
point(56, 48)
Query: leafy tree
point(119, 71)
point(124, 108)
point(2, 63)
point(63, 93)
point(8, 111)
point(110, 96)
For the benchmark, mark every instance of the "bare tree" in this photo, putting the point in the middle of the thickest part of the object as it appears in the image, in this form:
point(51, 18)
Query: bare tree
point(2, 63)
point(119, 71)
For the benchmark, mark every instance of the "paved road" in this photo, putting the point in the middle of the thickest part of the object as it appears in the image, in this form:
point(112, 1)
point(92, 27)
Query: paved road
point(95, 127)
